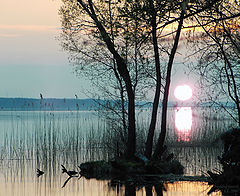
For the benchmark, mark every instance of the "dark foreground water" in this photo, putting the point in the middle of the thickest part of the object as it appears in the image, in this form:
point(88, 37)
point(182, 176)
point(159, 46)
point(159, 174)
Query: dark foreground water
point(47, 139)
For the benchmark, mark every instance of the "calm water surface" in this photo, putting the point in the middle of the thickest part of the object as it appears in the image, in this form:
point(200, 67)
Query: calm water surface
point(18, 178)
point(47, 139)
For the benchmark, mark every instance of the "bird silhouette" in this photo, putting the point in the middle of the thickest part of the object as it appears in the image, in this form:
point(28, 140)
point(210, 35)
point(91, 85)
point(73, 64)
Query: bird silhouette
point(39, 172)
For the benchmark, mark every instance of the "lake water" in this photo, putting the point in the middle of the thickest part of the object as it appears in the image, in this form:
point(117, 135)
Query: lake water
point(47, 139)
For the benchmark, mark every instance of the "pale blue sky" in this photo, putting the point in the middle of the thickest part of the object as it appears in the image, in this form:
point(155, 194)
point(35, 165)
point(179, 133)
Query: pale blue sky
point(31, 59)
point(31, 80)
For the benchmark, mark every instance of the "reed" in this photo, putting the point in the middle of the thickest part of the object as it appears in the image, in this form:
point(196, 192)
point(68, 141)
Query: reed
point(73, 137)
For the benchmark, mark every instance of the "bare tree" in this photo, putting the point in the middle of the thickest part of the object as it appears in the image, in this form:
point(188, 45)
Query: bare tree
point(120, 43)
point(116, 56)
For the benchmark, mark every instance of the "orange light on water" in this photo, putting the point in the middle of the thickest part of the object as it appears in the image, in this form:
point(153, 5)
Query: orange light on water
point(185, 188)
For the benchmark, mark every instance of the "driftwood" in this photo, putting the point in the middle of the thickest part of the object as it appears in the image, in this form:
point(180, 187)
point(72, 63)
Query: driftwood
point(71, 174)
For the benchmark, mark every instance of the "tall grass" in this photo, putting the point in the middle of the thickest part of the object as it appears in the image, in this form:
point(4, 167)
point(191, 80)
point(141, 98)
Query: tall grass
point(44, 136)
point(53, 138)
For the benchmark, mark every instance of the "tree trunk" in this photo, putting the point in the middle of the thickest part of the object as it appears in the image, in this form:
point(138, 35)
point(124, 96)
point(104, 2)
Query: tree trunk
point(160, 144)
point(124, 73)
point(131, 141)
point(149, 143)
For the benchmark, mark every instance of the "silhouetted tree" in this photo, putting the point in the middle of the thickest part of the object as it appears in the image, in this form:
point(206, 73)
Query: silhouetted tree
point(122, 43)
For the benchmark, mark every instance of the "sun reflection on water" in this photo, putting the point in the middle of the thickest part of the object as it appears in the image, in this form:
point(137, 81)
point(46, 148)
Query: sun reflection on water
point(183, 123)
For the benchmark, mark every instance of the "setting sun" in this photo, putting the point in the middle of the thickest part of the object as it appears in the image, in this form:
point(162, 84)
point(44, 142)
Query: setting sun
point(183, 92)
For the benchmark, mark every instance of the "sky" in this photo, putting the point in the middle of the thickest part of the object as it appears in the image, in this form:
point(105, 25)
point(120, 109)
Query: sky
point(31, 58)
